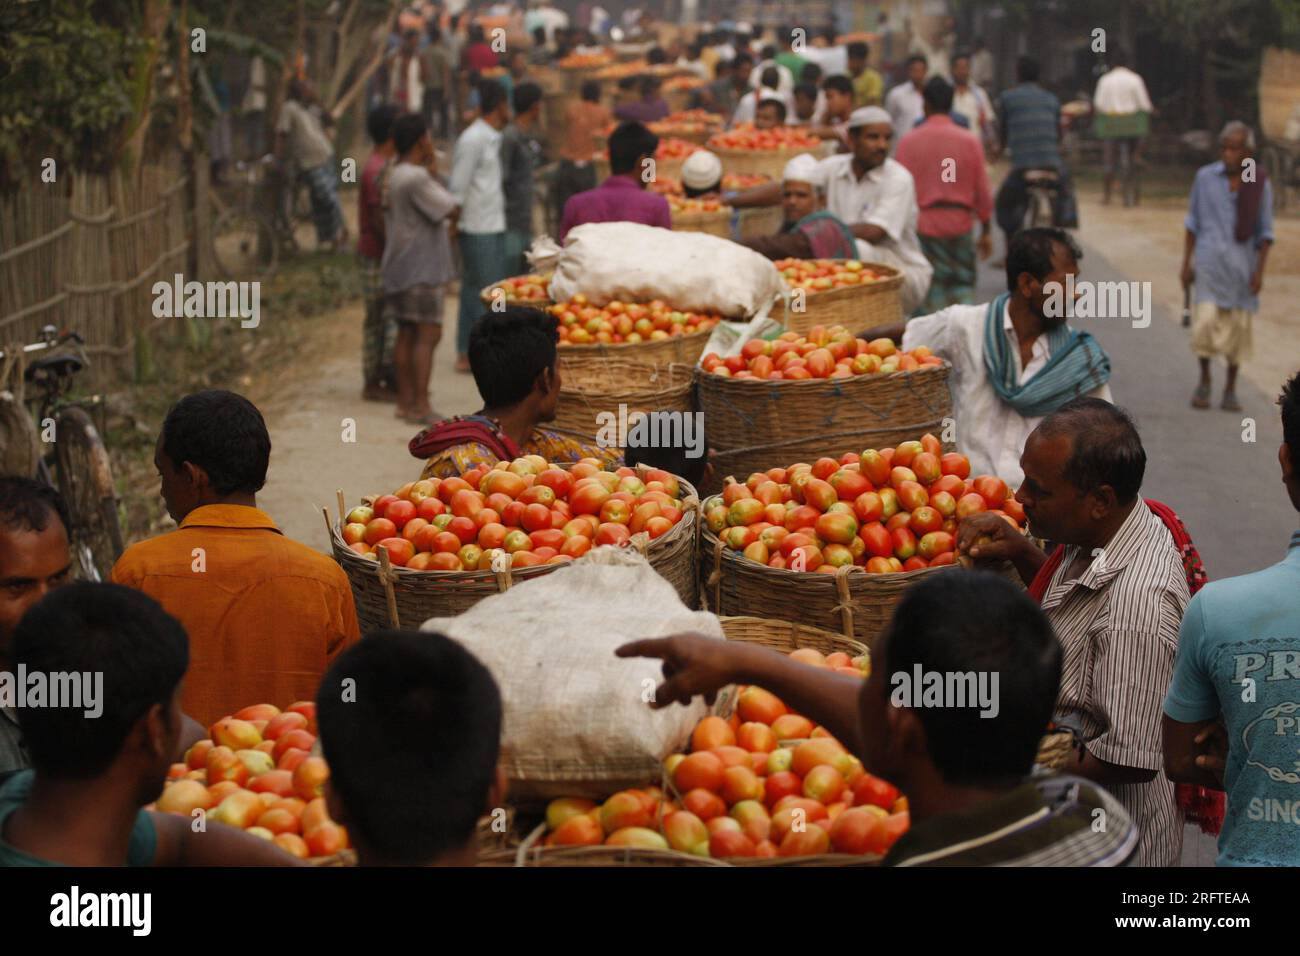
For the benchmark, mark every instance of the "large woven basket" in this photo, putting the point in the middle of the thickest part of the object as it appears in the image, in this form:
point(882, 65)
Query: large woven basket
point(588, 389)
point(388, 596)
point(685, 349)
point(851, 601)
point(856, 307)
point(714, 223)
point(754, 425)
point(757, 222)
point(770, 162)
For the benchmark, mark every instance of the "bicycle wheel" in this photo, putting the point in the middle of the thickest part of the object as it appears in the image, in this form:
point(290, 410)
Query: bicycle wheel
point(244, 245)
point(86, 483)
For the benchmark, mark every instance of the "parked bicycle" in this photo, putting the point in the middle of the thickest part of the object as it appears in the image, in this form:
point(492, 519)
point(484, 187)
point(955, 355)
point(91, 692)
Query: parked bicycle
point(73, 458)
point(259, 222)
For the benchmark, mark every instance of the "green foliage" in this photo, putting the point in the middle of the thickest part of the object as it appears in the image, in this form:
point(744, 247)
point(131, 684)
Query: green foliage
point(69, 90)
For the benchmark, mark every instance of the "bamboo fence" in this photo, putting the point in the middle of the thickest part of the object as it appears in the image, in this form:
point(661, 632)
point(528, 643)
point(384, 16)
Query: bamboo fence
point(83, 253)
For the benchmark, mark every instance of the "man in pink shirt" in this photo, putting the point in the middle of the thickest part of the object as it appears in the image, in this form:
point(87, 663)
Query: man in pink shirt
point(623, 196)
point(952, 190)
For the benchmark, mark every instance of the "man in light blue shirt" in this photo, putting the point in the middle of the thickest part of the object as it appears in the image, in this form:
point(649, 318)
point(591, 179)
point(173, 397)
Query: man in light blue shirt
point(476, 184)
point(1232, 714)
point(1229, 230)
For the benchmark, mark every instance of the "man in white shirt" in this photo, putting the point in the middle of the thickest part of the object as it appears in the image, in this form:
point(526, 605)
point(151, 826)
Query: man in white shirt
point(905, 102)
point(936, 51)
point(981, 65)
point(1038, 364)
point(476, 185)
point(786, 79)
point(1121, 108)
point(876, 197)
point(971, 101)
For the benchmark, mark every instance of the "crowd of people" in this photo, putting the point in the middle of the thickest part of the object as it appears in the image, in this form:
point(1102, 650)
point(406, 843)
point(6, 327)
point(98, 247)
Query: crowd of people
point(1115, 636)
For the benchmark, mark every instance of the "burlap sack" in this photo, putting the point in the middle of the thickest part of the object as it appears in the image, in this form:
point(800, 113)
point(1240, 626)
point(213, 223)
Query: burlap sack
point(577, 721)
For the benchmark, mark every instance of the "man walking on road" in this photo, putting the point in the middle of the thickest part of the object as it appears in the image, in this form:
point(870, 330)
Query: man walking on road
point(905, 102)
point(1229, 230)
point(521, 154)
point(1121, 116)
point(952, 190)
point(476, 184)
point(379, 380)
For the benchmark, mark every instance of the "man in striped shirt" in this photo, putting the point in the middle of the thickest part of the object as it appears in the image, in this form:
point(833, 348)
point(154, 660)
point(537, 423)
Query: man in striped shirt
point(1115, 598)
point(962, 763)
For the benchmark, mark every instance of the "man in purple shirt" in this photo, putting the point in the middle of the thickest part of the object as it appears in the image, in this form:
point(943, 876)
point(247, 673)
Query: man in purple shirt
point(650, 108)
point(623, 196)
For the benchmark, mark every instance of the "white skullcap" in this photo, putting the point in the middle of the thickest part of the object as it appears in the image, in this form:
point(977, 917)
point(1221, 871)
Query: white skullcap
point(701, 170)
point(869, 116)
point(802, 169)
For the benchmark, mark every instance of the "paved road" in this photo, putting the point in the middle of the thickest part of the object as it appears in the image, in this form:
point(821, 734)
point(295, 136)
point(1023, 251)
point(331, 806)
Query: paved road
point(1228, 491)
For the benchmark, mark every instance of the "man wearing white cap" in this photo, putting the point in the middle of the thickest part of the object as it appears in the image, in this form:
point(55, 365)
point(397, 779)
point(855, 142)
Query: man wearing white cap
point(809, 231)
point(701, 174)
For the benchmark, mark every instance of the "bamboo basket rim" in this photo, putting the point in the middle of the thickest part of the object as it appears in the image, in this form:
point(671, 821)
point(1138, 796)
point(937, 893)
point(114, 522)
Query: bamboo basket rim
point(485, 294)
point(604, 346)
point(735, 151)
point(679, 375)
point(737, 621)
point(875, 286)
point(726, 381)
point(701, 215)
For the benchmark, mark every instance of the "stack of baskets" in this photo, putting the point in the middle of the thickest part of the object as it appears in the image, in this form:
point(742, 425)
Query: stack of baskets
point(755, 425)
point(388, 596)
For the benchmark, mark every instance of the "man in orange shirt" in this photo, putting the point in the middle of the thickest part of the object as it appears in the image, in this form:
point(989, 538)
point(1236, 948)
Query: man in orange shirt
point(265, 615)
point(583, 119)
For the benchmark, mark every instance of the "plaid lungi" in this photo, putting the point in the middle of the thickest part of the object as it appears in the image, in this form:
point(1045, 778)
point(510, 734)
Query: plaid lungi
point(326, 213)
point(953, 281)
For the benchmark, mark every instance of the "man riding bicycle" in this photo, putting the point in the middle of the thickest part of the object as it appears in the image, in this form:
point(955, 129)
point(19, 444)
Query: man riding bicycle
point(1029, 125)
point(1121, 110)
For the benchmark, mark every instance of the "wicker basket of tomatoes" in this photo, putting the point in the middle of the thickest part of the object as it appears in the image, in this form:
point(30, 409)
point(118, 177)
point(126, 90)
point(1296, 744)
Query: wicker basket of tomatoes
point(438, 547)
point(591, 392)
point(529, 290)
point(826, 393)
point(746, 150)
point(700, 215)
point(840, 292)
point(835, 544)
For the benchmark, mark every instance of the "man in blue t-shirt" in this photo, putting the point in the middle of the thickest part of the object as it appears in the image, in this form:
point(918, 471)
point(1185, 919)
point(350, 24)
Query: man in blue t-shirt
point(109, 748)
point(1232, 714)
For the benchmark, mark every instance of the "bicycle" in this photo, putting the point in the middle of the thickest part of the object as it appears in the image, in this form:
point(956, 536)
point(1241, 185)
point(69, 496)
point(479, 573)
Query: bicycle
point(1041, 187)
point(260, 223)
point(77, 463)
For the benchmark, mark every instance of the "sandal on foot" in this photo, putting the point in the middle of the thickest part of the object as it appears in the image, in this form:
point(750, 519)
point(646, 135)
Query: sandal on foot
point(1201, 397)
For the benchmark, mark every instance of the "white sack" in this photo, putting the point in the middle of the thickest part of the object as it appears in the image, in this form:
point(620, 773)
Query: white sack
point(577, 721)
point(692, 271)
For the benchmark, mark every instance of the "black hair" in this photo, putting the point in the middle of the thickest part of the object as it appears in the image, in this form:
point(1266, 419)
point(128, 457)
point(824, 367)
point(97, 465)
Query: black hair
point(976, 623)
point(508, 350)
point(722, 66)
point(656, 55)
point(915, 58)
point(491, 94)
point(525, 97)
point(673, 460)
point(1290, 402)
point(379, 123)
point(743, 57)
point(810, 73)
point(627, 82)
point(1030, 250)
point(768, 52)
point(408, 129)
point(649, 84)
point(412, 32)
point(1118, 57)
point(1026, 70)
point(140, 650)
point(628, 144)
point(539, 36)
point(28, 505)
point(806, 90)
point(960, 55)
point(476, 34)
point(413, 750)
point(938, 94)
point(591, 91)
point(772, 102)
point(694, 49)
point(840, 83)
point(222, 433)
point(432, 32)
point(770, 78)
point(1105, 448)
point(858, 50)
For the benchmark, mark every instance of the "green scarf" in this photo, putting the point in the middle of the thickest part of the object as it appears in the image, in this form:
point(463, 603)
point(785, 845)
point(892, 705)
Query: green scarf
point(1076, 365)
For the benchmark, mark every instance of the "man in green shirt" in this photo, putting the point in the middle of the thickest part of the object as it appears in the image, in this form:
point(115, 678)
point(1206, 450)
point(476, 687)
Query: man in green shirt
point(111, 749)
point(961, 756)
point(788, 58)
point(868, 86)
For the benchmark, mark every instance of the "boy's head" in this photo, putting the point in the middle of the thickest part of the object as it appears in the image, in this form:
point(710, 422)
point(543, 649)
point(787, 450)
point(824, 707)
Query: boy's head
point(1289, 453)
point(135, 654)
point(512, 354)
point(492, 102)
point(213, 445)
point(411, 137)
point(412, 742)
point(34, 553)
point(379, 123)
point(858, 52)
point(805, 101)
point(769, 113)
point(978, 633)
point(527, 99)
point(629, 145)
point(591, 91)
point(839, 95)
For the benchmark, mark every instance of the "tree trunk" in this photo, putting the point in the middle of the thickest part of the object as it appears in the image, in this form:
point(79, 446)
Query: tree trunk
point(153, 25)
